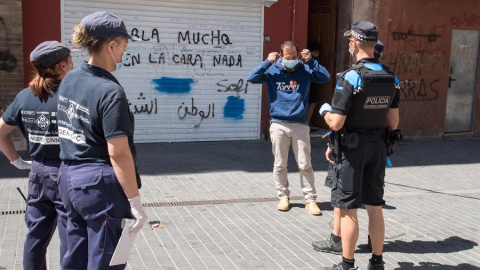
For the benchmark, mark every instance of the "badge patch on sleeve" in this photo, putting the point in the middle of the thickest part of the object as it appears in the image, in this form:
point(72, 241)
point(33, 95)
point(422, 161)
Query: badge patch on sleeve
point(377, 102)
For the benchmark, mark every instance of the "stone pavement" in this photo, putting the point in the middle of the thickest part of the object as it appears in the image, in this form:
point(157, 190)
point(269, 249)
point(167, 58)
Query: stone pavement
point(216, 202)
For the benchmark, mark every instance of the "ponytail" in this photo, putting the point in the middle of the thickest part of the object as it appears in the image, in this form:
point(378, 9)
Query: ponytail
point(45, 81)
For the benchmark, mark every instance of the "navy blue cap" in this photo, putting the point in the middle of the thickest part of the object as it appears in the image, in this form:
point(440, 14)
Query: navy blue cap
point(363, 31)
point(106, 25)
point(49, 52)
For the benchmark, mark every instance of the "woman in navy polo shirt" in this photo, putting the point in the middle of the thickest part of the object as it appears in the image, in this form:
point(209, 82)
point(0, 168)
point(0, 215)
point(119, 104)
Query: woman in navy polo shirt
point(97, 175)
point(34, 112)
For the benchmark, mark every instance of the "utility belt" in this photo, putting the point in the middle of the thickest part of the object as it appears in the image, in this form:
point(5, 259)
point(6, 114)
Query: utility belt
point(341, 141)
point(350, 141)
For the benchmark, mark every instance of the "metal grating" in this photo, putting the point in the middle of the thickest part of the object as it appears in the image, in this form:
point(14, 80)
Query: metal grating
point(12, 212)
point(185, 203)
point(208, 202)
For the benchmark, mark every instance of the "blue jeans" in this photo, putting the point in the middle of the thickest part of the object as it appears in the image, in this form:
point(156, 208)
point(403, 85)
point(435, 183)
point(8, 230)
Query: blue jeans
point(44, 213)
point(96, 205)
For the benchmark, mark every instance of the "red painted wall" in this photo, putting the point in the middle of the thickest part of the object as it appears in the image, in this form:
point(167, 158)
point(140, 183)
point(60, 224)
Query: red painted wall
point(278, 26)
point(41, 22)
point(425, 63)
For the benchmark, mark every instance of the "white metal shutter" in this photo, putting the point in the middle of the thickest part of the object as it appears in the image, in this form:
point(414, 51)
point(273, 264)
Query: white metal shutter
point(187, 81)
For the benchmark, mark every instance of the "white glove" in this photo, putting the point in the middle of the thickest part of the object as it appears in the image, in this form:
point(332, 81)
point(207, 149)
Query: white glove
point(324, 109)
point(22, 164)
point(137, 212)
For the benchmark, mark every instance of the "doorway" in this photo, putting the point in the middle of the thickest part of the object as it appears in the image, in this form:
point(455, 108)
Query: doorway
point(322, 30)
point(462, 81)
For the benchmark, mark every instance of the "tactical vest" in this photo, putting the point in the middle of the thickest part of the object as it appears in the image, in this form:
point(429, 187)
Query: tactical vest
point(371, 99)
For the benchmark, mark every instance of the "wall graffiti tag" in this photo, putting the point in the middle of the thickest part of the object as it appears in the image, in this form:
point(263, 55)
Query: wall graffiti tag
point(197, 63)
point(470, 20)
point(417, 38)
point(416, 56)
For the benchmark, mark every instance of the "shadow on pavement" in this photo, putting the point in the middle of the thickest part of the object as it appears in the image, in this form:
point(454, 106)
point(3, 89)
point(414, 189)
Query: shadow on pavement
point(433, 191)
point(256, 156)
point(450, 245)
point(435, 266)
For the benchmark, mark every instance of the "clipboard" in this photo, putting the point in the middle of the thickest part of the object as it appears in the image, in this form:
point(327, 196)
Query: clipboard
point(125, 243)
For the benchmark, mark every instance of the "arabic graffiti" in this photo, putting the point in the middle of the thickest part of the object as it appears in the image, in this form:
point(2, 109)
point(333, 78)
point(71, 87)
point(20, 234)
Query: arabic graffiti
point(193, 111)
point(144, 108)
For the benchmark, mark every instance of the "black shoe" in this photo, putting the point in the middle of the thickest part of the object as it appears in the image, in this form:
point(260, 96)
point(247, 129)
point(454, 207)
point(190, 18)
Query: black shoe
point(337, 267)
point(377, 266)
point(327, 246)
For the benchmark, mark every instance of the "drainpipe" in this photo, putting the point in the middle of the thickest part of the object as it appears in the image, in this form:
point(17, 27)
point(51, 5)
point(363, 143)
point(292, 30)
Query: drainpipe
point(293, 19)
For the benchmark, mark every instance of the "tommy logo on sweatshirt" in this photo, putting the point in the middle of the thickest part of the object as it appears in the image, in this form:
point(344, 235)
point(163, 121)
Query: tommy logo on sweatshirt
point(292, 86)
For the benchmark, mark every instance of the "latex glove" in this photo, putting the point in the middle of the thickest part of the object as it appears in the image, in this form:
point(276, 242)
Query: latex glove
point(138, 213)
point(324, 109)
point(22, 164)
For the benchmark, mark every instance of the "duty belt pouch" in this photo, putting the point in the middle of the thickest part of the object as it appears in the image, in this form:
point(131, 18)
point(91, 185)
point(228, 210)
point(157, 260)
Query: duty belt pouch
point(350, 141)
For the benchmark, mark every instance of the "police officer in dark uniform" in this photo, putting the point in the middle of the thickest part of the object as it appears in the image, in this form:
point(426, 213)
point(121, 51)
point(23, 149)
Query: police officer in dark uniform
point(365, 102)
point(97, 176)
point(34, 112)
point(329, 245)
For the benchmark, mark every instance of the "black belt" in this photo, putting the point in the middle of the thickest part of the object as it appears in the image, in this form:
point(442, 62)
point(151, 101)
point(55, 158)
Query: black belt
point(47, 160)
point(79, 162)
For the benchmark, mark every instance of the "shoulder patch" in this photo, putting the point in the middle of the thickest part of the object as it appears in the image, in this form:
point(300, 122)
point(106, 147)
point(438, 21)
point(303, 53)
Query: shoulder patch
point(353, 78)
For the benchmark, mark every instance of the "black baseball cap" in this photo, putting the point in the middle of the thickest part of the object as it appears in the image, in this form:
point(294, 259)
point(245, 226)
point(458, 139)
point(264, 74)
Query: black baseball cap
point(363, 31)
point(49, 52)
point(106, 25)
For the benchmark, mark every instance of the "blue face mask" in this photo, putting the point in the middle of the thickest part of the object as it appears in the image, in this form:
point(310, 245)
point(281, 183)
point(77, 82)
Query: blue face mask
point(124, 57)
point(290, 63)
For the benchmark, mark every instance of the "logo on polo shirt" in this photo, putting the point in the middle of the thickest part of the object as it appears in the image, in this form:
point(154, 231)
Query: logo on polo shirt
point(42, 122)
point(70, 112)
point(70, 135)
point(377, 102)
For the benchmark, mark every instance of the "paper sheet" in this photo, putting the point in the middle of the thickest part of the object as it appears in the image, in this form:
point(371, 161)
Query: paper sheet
point(125, 244)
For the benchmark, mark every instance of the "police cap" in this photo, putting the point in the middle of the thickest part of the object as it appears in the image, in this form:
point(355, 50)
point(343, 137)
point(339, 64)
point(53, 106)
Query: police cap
point(49, 52)
point(106, 25)
point(363, 31)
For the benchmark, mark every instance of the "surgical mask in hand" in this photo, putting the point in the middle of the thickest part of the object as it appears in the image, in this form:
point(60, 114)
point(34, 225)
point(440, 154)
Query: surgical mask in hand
point(290, 63)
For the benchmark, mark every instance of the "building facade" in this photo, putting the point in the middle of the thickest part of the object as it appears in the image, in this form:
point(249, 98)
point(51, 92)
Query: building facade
point(186, 79)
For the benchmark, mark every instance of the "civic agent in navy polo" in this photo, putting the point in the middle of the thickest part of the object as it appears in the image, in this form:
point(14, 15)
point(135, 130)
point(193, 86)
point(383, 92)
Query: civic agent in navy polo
point(365, 101)
point(34, 111)
point(97, 175)
point(288, 79)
